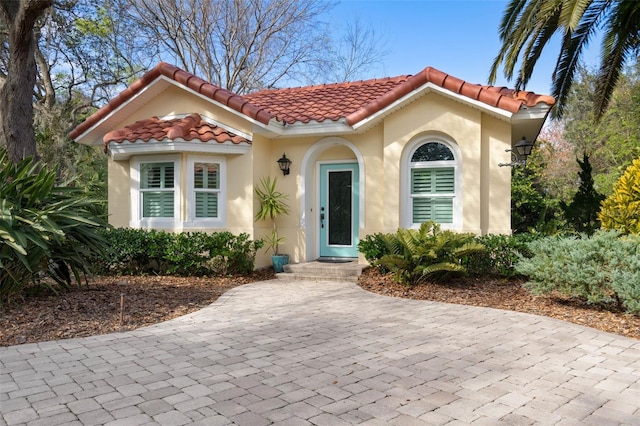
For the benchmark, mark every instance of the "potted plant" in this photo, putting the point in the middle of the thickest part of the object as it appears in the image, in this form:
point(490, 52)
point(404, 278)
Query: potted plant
point(272, 204)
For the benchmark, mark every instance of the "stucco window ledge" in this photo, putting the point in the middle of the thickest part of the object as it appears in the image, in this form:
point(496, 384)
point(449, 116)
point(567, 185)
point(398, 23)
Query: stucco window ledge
point(125, 150)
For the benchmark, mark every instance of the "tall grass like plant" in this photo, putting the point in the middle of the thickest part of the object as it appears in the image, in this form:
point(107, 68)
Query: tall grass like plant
point(48, 233)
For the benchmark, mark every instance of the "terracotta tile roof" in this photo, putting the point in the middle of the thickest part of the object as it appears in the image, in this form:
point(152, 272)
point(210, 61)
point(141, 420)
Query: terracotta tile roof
point(358, 100)
point(324, 102)
point(499, 97)
point(189, 128)
point(197, 84)
point(353, 102)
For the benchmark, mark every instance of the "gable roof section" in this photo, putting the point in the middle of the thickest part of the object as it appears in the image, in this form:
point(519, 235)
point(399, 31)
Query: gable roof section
point(189, 128)
point(359, 100)
point(352, 102)
point(211, 91)
point(323, 102)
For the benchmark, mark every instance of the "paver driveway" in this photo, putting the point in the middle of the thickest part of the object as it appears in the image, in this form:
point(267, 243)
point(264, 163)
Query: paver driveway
point(328, 354)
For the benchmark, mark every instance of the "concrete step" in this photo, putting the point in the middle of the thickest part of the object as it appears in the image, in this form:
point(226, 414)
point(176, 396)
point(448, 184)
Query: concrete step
point(322, 271)
point(315, 278)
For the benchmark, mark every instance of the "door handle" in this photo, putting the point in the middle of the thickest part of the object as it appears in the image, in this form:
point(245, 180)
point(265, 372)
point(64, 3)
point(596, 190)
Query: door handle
point(321, 220)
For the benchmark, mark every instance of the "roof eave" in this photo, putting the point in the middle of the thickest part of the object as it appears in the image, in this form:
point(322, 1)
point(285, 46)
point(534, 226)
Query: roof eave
point(125, 150)
point(143, 96)
point(95, 133)
point(276, 129)
point(426, 88)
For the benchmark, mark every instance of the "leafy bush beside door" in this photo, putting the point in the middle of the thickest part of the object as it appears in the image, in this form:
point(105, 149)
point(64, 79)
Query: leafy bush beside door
point(427, 253)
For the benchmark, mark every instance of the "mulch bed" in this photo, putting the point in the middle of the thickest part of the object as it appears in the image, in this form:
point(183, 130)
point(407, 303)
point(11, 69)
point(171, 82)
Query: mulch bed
point(96, 308)
point(508, 295)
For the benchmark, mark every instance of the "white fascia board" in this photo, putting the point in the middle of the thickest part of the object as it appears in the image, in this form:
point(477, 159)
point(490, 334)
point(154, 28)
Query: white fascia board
point(141, 93)
point(124, 150)
point(277, 130)
point(316, 128)
point(425, 89)
point(538, 112)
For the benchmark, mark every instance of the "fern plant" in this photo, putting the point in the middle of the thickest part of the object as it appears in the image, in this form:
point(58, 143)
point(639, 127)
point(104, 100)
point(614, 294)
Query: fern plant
point(427, 253)
point(621, 210)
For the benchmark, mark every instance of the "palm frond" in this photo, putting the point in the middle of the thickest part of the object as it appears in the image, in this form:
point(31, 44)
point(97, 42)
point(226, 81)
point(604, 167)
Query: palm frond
point(621, 39)
point(571, 50)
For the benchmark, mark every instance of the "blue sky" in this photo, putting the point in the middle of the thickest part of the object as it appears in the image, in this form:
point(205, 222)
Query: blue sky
point(459, 37)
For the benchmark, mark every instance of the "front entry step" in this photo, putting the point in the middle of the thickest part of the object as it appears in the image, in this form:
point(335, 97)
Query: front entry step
point(333, 270)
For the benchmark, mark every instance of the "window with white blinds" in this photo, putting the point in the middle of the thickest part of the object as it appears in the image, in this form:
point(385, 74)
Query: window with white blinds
point(157, 182)
point(206, 189)
point(432, 189)
point(206, 178)
point(178, 192)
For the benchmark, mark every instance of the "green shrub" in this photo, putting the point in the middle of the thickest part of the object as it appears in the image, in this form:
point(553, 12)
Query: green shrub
point(427, 253)
point(46, 231)
point(500, 256)
point(621, 210)
point(374, 246)
point(581, 213)
point(137, 251)
point(626, 274)
point(600, 269)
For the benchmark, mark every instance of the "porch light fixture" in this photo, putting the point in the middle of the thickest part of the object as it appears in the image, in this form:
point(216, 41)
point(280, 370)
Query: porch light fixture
point(519, 156)
point(284, 164)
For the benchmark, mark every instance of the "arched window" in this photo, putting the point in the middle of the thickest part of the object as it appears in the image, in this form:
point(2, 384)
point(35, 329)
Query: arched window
point(432, 185)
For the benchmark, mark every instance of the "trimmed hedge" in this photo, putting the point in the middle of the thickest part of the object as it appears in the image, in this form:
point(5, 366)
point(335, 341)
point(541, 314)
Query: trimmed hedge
point(138, 251)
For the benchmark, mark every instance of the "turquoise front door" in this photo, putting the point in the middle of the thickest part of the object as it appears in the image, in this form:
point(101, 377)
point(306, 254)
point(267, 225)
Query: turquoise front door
point(339, 210)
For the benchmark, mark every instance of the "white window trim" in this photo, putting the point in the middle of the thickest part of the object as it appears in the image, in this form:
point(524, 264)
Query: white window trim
point(192, 220)
point(137, 221)
point(405, 180)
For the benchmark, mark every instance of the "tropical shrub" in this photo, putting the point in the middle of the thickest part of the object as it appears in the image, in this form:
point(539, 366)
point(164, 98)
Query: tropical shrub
point(500, 255)
point(49, 234)
point(137, 251)
point(621, 210)
point(374, 246)
point(603, 268)
point(273, 204)
point(427, 253)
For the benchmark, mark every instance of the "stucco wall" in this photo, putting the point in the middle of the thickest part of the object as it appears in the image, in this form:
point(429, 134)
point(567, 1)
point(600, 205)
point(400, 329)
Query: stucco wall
point(437, 116)
point(118, 193)
point(480, 141)
point(174, 101)
point(496, 180)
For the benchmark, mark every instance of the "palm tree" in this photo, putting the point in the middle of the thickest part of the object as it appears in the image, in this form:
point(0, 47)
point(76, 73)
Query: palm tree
point(528, 25)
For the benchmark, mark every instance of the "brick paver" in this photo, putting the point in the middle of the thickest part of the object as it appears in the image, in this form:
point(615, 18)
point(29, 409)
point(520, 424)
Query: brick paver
point(300, 353)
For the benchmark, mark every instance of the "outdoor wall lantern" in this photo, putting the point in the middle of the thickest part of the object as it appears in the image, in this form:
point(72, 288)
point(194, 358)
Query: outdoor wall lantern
point(284, 164)
point(519, 156)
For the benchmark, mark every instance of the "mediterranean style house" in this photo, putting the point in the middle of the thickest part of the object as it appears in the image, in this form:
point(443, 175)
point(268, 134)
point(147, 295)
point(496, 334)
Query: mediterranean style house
point(367, 156)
